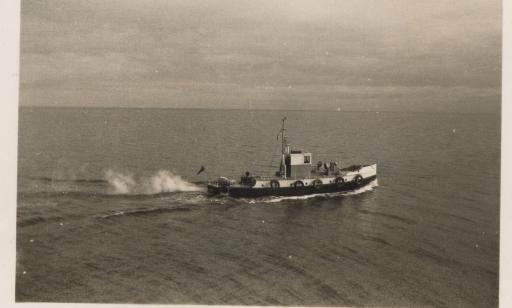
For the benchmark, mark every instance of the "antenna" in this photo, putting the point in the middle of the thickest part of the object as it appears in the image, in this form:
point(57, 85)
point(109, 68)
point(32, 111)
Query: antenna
point(283, 137)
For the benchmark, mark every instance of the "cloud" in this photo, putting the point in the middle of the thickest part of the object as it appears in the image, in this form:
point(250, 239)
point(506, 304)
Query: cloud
point(213, 54)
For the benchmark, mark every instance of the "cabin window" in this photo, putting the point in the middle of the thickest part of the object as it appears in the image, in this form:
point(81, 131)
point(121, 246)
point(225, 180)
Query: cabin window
point(307, 159)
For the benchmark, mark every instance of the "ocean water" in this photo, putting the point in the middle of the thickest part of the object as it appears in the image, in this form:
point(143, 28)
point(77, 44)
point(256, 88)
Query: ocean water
point(110, 209)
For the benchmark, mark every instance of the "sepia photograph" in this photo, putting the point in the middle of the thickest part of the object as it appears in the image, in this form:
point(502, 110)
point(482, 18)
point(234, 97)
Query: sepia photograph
point(259, 153)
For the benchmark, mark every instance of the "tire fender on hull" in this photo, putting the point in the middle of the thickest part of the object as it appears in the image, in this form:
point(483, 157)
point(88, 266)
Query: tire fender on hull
point(358, 179)
point(298, 184)
point(339, 181)
point(317, 184)
point(274, 184)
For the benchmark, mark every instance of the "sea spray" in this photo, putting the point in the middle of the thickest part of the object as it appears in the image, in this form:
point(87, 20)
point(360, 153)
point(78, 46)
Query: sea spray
point(166, 181)
point(161, 182)
point(120, 183)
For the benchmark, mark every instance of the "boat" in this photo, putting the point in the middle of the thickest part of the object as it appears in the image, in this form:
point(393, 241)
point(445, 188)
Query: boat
point(297, 176)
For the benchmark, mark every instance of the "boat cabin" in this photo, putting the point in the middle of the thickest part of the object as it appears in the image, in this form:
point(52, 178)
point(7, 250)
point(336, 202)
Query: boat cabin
point(296, 164)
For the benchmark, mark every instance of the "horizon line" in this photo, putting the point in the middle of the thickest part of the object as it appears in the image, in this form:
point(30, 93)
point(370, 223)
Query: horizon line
point(258, 109)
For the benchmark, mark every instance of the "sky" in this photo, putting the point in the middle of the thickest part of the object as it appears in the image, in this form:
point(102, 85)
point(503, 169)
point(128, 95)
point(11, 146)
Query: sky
point(356, 55)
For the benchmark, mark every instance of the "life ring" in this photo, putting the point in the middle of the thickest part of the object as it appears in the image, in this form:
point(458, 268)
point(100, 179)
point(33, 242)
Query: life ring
point(316, 184)
point(298, 184)
point(274, 184)
point(358, 179)
point(339, 181)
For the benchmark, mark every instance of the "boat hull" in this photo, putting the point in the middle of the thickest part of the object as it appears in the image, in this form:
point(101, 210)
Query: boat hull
point(250, 192)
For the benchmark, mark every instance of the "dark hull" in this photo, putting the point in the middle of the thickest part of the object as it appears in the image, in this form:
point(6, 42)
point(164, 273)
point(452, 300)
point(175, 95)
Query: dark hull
point(249, 192)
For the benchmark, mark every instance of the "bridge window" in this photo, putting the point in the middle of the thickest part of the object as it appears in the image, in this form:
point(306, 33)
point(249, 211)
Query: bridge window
point(307, 159)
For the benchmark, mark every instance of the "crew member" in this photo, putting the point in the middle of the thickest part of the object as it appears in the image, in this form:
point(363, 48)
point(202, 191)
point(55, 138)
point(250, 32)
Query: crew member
point(246, 177)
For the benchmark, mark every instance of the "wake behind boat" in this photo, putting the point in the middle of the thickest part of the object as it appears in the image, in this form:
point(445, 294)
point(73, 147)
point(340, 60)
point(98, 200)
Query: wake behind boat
point(297, 176)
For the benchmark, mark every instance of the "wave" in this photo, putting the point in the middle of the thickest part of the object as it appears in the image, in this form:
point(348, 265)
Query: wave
point(163, 181)
point(83, 194)
point(149, 211)
point(48, 179)
point(112, 183)
point(37, 220)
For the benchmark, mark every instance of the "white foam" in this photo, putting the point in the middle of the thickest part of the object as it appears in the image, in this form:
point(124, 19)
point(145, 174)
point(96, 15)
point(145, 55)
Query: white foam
point(120, 183)
point(161, 182)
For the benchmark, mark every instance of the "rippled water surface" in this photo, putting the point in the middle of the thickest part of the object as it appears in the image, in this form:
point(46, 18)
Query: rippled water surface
point(110, 209)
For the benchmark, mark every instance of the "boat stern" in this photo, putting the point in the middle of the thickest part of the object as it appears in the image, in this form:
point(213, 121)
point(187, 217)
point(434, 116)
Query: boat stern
point(219, 186)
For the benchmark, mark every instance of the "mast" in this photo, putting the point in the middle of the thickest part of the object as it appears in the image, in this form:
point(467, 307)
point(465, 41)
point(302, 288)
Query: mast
point(284, 146)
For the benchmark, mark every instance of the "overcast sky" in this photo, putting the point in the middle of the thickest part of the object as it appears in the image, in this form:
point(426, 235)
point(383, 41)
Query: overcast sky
point(414, 55)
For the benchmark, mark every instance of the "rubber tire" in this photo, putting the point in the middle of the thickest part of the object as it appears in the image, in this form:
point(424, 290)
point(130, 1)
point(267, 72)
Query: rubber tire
point(298, 184)
point(316, 184)
point(274, 184)
point(339, 181)
point(358, 179)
